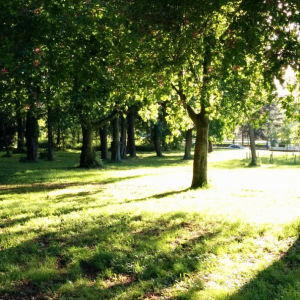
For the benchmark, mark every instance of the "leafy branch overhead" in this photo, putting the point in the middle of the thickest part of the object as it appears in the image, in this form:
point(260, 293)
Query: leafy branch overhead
point(214, 59)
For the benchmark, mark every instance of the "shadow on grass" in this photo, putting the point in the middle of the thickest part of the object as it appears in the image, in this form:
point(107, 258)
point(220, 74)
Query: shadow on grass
point(279, 281)
point(157, 196)
point(83, 201)
point(130, 256)
point(151, 162)
point(59, 205)
point(5, 222)
point(108, 257)
point(15, 173)
point(41, 187)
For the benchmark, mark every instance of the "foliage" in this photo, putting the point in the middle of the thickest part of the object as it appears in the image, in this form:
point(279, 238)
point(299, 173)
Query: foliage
point(94, 60)
point(285, 133)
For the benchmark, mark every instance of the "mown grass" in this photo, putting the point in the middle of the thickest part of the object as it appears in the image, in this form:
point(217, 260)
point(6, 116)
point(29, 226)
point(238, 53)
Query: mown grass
point(135, 230)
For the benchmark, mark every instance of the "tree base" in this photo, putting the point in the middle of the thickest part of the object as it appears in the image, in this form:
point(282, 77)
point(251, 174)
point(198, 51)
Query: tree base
point(202, 186)
point(187, 158)
point(254, 164)
point(97, 163)
point(25, 160)
point(19, 151)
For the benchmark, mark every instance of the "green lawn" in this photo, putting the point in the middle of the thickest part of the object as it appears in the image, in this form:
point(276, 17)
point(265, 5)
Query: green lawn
point(135, 230)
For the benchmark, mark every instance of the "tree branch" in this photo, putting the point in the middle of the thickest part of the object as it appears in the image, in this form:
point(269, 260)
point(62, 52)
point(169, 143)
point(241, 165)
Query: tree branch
point(174, 88)
point(192, 114)
point(105, 120)
point(193, 71)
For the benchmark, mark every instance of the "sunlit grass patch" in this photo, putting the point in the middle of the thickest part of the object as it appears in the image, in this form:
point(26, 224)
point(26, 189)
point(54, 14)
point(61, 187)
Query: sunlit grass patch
point(136, 231)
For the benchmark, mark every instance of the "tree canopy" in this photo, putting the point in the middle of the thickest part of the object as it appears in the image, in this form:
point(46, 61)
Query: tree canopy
point(210, 60)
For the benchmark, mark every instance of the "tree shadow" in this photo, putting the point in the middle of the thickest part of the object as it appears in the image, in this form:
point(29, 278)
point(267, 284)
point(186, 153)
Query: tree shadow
point(281, 280)
point(42, 187)
point(158, 196)
point(154, 162)
point(12, 222)
point(278, 281)
point(80, 201)
point(129, 254)
point(107, 258)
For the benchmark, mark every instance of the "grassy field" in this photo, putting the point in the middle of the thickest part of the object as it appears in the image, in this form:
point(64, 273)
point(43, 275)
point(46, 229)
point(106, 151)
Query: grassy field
point(135, 230)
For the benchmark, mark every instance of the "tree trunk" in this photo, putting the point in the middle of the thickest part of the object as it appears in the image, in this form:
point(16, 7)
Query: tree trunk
point(50, 153)
point(103, 141)
point(252, 146)
point(88, 155)
point(63, 141)
point(210, 147)
point(58, 136)
point(188, 144)
point(200, 155)
point(78, 136)
point(5, 139)
point(21, 133)
point(201, 121)
point(130, 134)
point(156, 141)
point(115, 145)
point(32, 133)
point(123, 138)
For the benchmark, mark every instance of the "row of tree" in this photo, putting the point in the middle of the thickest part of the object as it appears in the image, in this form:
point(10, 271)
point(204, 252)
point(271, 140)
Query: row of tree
point(188, 62)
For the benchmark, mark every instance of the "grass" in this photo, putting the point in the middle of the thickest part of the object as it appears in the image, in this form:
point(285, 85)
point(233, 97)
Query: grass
point(135, 230)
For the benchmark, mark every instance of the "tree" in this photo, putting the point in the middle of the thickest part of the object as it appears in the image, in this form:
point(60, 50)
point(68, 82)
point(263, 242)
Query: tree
point(131, 133)
point(188, 144)
point(200, 46)
point(103, 142)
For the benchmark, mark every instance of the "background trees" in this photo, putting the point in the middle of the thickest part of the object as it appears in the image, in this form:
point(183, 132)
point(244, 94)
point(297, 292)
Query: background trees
point(93, 61)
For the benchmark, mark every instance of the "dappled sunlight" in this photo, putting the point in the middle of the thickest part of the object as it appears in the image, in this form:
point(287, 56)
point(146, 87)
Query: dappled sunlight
point(126, 228)
point(82, 189)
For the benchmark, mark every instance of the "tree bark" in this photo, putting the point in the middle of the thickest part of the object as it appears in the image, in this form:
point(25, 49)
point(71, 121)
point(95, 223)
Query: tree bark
point(50, 153)
point(130, 134)
point(58, 136)
point(201, 121)
point(188, 144)
point(210, 147)
point(20, 132)
point(156, 141)
point(103, 141)
point(63, 140)
point(78, 136)
point(115, 145)
point(123, 138)
point(252, 146)
point(32, 133)
point(88, 155)
point(200, 155)
point(5, 138)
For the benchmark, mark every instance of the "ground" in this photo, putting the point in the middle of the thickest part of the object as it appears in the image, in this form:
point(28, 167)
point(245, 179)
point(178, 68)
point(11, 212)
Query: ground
point(136, 231)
